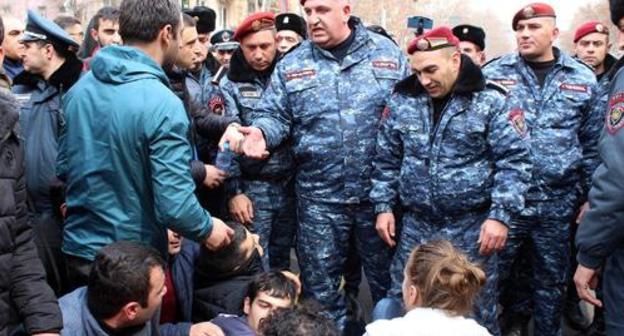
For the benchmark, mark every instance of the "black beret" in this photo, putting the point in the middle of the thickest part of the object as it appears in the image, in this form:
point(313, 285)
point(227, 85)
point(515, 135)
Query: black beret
point(470, 33)
point(290, 21)
point(205, 18)
point(617, 10)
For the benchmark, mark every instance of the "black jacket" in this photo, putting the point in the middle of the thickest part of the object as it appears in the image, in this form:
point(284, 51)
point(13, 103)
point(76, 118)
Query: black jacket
point(216, 293)
point(22, 278)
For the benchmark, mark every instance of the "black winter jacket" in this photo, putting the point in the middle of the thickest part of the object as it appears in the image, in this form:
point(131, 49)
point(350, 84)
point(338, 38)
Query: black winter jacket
point(22, 278)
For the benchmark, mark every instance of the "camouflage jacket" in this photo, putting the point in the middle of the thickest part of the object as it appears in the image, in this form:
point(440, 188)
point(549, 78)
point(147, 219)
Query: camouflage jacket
point(563, 118)
point(331, 110)
point(475, 158)
point(242, 89)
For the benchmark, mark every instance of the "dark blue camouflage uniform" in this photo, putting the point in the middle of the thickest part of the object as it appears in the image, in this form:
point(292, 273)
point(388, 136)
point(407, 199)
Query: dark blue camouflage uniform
point(564, 121)
point(450, 177)
point(330, 111)
point(268, 183)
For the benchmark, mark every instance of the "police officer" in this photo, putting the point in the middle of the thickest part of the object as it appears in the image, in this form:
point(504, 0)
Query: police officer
point(451, 152)
point(206, 23)
point(291, 30)
point(223, 46)
point(260, 192)
point(471, 42)
point(53, 68)
point(591, 45)
point(185, 87)
point(326, 96)
point(563, 119)
point(599, 237)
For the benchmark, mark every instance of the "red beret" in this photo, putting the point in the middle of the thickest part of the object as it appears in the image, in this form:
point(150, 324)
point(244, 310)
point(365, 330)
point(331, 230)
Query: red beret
point(438, 38)
point(588, 28)
point(531, 11)
point(254, 23)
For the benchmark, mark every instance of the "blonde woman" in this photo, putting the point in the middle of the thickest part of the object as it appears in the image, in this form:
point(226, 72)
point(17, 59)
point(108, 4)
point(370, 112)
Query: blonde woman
point(439, 289)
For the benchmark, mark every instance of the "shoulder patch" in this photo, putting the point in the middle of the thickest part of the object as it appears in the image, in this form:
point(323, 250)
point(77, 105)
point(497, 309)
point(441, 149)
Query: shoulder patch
point(615, 116)
point(496, 86)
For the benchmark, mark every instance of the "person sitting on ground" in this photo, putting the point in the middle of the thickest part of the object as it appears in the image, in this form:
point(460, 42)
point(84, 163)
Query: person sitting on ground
point(221, 277)
point(267, 292)
point(301, 320)
point(439, 289)
point(124, 291)
point(175, 311)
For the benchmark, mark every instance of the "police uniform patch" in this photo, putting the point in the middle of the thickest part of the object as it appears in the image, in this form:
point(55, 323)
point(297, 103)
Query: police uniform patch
point(217, 105)
point(505, 82)
point(300, 74)
point(250, 92)
point(516, 117)
point(385, 113)
point(615, 117)
point(390, 65)
point(573, 87)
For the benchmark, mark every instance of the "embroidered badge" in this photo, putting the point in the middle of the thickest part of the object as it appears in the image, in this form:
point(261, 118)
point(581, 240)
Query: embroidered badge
point(573, 87)
point(615, 117)
point(300, 74)
point(516, 117)
point(217, 105)
point(390, 65)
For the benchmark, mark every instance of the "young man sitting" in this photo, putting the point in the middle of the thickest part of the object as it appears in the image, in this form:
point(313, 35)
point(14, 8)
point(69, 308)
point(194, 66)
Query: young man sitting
point(266, 293)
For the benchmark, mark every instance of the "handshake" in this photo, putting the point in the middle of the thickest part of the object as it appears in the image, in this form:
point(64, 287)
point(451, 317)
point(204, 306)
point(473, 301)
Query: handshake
point(248, 141)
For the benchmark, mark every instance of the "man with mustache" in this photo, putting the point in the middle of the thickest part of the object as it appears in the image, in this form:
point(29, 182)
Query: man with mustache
point(260, 192)
point(563, 119)
point(326, 97)
point(451, 151)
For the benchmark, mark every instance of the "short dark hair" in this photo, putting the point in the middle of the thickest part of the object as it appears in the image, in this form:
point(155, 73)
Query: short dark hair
point(274, 284)
point(1, 31)
point(302, 320)
point(121, 274)
point(141, 20)
point(227, 259)
point(66, 21)
point(188, 21)
point(106, 14)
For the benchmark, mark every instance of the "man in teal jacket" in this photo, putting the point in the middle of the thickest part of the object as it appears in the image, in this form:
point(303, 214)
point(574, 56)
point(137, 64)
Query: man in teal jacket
point(124, 152)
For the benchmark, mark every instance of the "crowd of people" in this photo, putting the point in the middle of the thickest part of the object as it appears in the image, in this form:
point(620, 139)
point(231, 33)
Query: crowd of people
point(156, 175)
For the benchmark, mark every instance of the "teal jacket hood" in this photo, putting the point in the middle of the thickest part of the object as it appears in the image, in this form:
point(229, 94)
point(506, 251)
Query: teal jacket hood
point(123, 64)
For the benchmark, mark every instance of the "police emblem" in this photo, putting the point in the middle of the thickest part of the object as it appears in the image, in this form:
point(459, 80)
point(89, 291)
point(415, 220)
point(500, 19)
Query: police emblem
point(465, 31)
point(528, 12)
point(226, 37)
point(286, 20)
point(516, 117)
point(217, 105)
point(422, 45)
point(600, 28)
point(256, 25)
point(615, 117)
